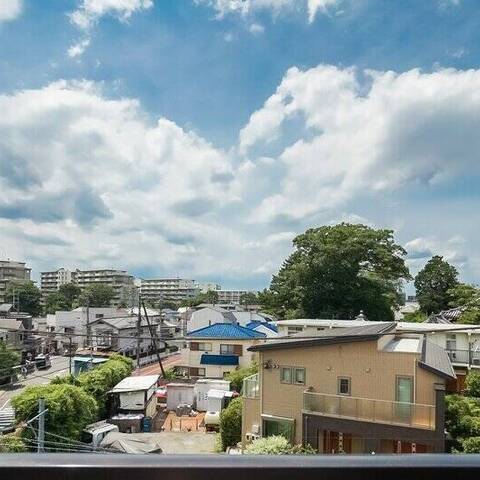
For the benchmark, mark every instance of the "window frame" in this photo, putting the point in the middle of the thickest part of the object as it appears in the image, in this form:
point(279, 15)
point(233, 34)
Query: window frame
point(339, 389)
point(295, 370)
point(203, 344)
point(282, 368)
point(232, 349)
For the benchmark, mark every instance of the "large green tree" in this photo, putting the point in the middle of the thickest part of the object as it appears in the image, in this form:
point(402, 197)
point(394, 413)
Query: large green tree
point(336, 271)
point(468, 297)
point(54, 303)
point(70, 293)
point(433, 284)
point(8, 359)
point(97, 295)
point(207, 297)
point(28, 296)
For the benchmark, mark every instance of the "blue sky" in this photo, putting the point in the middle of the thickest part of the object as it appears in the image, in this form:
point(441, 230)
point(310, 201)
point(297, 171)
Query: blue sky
point(270, 122)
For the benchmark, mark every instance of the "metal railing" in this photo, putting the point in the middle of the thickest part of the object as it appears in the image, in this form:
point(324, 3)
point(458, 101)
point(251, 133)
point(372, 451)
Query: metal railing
point(365, 409)
point(251, 386)
point(236, 467)
point(464, 357)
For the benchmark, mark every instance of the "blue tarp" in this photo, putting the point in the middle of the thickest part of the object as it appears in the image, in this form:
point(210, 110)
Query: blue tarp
point(208, 359)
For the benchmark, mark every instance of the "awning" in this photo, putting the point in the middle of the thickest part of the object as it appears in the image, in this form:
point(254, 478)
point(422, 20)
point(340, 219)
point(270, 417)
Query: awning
point(208, 359)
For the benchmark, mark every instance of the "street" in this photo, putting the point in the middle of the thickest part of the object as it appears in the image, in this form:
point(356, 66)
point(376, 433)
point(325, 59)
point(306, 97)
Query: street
point(38, 377)
point(154, 369)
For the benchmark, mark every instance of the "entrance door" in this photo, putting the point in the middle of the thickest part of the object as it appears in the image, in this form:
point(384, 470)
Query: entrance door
point(404, 394)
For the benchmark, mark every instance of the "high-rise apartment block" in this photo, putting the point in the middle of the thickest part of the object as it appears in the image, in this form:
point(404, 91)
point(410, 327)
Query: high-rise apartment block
point(11, 271)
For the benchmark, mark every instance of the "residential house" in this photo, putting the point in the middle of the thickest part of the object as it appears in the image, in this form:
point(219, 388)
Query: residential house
point(212, 314)
point(217, 349)
point(120, 335)
point(363, 389)
point(460, 341)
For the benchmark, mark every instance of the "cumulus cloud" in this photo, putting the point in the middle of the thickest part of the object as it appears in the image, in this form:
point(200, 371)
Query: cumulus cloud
point(89, 12)
point(246, 7)
point(365, 132)
point(256, 28)
point(10, 10)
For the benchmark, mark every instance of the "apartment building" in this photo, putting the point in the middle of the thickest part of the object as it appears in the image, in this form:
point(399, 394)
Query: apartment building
point(174, 289)
point(363, 389)
point(216, 350)
point(461, 342)
point(51, 281)
point(11, 271)
point(232, 296)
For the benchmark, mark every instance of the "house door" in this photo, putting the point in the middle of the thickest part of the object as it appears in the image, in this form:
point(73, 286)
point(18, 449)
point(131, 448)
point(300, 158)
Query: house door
point(404, 395)
point(337, 442)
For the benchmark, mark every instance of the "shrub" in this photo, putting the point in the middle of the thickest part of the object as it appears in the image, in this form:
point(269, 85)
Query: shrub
point(277, 445)
point(70, 409)
point(11, 444)
point(98, 381)
point(237, 376)
point(471, 445)
point(472, 384)
point(231, 424)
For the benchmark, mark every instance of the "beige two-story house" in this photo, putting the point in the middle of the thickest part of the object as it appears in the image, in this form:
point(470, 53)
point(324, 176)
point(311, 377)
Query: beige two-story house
point(354, 390)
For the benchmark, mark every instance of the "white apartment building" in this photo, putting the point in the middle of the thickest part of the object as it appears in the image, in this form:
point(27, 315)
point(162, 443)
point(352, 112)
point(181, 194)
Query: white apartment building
point(121, 282)
point(51, 281)
point(11, 271)
point(232, 296)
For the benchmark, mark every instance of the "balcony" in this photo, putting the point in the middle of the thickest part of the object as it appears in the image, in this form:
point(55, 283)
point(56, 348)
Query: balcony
point(364, 409)
point(464, 357)
point(251, 387)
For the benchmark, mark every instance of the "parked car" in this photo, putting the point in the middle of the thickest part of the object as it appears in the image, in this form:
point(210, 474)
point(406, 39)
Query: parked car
point(43, 361)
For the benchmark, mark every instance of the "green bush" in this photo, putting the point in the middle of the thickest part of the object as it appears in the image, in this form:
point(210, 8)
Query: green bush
point(70, 409)
point(237, 376)
point(11, 444)
point(277, 445)
point(231, 424)
point(472, 384)
point(98, 381)
point(471, 445)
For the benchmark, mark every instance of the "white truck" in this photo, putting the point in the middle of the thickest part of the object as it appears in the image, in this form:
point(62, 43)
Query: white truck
point(94, 433)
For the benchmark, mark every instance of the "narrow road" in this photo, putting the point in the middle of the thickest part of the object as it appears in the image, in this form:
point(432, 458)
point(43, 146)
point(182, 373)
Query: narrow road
point(154, 369)
point(38, 377)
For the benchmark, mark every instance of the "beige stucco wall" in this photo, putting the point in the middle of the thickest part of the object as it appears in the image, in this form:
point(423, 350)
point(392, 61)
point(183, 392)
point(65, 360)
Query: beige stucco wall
point(250, 416)
point(373, 375)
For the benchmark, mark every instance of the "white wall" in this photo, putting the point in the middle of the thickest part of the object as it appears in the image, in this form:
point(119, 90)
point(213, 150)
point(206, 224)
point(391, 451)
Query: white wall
point(203, 318)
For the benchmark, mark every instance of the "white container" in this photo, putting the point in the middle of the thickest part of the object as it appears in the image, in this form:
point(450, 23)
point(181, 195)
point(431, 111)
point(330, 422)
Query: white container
point(203, 386)
point(212, 419)
point(178, 393)
point(216, 400)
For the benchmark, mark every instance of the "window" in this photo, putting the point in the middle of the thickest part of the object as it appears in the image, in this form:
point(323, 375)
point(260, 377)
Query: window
point(295, 375)
point(292, 330)
point(204, 346)
point(197, 372)
point(451, 343)
point(231, 350)
point(273, 427)
point(344, 386)
point(286, 375)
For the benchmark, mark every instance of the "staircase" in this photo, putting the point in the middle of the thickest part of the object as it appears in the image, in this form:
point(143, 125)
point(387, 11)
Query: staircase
point(7, 420)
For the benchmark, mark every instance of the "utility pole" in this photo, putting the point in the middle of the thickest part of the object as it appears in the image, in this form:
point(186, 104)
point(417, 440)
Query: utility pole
point(70, 355)
point(41, 425)
point(153, 334)
point(139, 331)
point(88, 323)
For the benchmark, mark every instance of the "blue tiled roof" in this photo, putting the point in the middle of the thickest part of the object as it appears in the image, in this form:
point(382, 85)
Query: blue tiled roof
point(208, 359)
point(225, 330)
point(257, 323)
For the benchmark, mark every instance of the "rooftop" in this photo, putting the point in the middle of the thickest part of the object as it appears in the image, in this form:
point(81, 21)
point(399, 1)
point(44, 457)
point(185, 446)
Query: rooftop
point(132, 384)
point(225, 330)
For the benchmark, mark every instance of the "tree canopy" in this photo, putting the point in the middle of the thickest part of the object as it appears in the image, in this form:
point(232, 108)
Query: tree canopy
point(28, 295)
point(336, 271)
point(96, 295)
point(70, 409)
point(231, 424)
point(236, 377)
point(8, 359)
point(433, 284)
point(207, 297)
point(468, 297)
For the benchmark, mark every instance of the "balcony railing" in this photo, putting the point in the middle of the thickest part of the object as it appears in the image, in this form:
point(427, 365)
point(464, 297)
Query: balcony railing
point(365, 409)
point(237, 467)
point(251, 387)
point(464, 357)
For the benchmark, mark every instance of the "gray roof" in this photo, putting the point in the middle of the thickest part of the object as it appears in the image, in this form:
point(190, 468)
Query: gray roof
point(435, 360)
point(5, 307)
point(10, 323)
point(446, 316)
point(123, 323)
point(330, 337)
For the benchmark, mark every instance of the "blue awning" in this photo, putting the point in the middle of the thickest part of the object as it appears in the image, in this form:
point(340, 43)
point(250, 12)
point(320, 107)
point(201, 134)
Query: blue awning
point(208, 359)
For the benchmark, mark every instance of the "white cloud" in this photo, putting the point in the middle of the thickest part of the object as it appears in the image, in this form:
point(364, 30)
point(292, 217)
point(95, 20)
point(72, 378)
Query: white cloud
point(89, 12)
point(246, 7)
point(77, 49)
point(10, 10)
point(256, 28)
point(365, 132)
